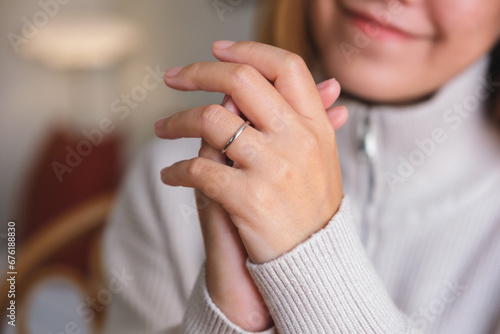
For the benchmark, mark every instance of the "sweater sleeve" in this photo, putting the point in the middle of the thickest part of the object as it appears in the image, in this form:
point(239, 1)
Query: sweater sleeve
point(203, 316)
point(325, 285)
point(328, 285)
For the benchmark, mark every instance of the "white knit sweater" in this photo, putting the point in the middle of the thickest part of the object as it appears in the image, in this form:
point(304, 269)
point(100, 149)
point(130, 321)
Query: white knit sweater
point(415, 247)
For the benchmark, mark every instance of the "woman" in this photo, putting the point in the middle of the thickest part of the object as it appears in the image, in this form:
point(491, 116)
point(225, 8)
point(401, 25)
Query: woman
point(389, 224)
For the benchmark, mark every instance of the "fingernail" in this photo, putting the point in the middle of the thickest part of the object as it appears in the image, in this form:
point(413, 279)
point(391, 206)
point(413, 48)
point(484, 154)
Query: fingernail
point(221, 45)
point(163, 173)
point(159, 123)
point(326, 83)
point(173, 72)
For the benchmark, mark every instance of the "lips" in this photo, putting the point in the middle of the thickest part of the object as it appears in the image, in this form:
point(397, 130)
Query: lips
point(376, 28)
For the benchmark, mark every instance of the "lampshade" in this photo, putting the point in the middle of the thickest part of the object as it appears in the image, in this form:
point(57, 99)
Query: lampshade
point(84, 41)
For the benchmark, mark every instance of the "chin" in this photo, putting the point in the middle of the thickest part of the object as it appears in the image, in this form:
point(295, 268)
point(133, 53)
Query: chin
point(381, 84)
point(381, 98)
point(376, 92)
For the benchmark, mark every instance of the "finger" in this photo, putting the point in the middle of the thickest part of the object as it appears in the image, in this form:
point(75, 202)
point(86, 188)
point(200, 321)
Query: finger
point(216, 223)
point(216, 125)
point(210, 209)
point(209, 152)
point(257, 99)
point(286, 70)
point(220, 236)
point(329, 91)
point(229, 104)
point(217, 181)
point(338, 116)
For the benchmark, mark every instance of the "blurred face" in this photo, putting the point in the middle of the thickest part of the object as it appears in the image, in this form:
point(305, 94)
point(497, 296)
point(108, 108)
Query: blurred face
point(396, 51)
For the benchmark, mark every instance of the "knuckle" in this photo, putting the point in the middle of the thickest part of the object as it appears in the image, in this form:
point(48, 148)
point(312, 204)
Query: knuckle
point(244, 74)
point(278, 123)
point(294, 62)
point(210, 116)
point(251, 151)
point(194, 67)
point(310, 144)
point(211, 189)
point(195, 168)
point(222, 178)
point(249, 46)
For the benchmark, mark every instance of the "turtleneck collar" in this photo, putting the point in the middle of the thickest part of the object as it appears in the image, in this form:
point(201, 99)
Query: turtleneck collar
point(415, 157)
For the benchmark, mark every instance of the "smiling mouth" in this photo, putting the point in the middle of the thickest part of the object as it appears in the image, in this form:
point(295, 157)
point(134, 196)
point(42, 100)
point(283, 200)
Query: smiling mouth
point(377, 29)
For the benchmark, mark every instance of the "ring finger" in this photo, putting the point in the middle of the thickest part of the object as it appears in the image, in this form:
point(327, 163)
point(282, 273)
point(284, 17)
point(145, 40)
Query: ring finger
point(216, 125)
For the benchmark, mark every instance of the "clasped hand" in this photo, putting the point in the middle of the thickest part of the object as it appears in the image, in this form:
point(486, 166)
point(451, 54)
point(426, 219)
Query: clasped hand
point(288, 183)
point(285, 183)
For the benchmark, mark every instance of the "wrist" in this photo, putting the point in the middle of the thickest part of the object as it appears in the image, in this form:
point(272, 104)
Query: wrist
point(265, 246)
point(232, 290)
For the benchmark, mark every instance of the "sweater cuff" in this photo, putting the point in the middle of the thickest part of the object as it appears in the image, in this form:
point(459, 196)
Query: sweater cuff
point(204, 317)
point(327, 285)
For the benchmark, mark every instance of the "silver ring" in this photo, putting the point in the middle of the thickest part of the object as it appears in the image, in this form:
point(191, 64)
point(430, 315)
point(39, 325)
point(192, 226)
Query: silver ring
point(233, 138)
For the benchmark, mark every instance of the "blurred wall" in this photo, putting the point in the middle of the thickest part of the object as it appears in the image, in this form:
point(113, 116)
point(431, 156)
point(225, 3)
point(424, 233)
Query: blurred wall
point(33, 98)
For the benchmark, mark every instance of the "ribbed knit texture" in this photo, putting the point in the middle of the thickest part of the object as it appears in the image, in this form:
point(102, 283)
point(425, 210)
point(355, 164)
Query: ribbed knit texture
point(421, 255)
point(327, 285)
point(203, 316)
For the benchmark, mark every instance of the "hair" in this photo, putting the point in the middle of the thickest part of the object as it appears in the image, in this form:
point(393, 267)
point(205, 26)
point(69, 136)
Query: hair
point(285, 24)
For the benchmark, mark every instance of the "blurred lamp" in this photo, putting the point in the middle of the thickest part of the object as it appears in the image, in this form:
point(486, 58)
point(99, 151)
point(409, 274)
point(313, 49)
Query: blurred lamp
point(84, 41)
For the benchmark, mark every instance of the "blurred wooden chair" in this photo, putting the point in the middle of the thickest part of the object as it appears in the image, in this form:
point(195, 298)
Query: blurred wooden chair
point(69, 248)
